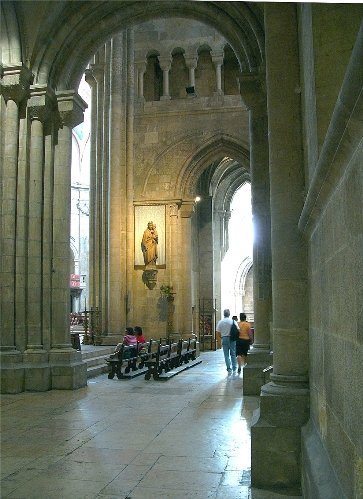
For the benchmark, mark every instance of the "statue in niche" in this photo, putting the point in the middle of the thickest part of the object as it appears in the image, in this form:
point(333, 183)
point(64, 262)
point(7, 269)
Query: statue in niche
point(149, 246)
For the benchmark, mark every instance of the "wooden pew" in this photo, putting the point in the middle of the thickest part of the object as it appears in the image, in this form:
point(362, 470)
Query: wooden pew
point(171, 357)
point(129, 358)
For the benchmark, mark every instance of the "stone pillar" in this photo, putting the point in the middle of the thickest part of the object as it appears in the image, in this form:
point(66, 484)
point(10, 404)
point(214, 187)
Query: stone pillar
point(141, 68)
point(98, 73)
point(14, 86)
point(191, 64)
point(129, 40)
point(165, 65)
point(217, 59)
point(117, 195)
point(105, 192)
point(174, 255)
point(68, 370)
point(259, 356)
point(276, 436)
point(91, 80)
point(184, 301)
point(37, 373)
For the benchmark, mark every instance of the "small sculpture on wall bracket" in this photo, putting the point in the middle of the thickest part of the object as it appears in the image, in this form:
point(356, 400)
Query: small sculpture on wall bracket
point(149, 278)
point(149, 247)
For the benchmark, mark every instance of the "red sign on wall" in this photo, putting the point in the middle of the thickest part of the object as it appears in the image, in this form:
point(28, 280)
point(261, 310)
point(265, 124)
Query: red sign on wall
point(75, 280)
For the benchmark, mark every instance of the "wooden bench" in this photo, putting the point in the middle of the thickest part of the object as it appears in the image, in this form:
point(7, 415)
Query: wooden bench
point(170, 357)
point(129, 359)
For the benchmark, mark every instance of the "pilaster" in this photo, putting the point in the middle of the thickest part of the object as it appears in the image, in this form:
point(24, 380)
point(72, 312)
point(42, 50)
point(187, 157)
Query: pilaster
point(37, 371)
point(284, 401)
point(67, 369)
point(254, 97)
point(186, 211)
point(14, 87)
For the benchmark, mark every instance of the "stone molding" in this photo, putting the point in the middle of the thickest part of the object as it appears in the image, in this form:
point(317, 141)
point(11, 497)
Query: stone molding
point(15, 82)
point(71, 107)
point(90, 77)
point(98, 71)
point(41, 102)
point(187, 209)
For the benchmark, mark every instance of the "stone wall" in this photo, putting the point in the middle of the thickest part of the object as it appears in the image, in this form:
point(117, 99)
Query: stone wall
point(332, 444)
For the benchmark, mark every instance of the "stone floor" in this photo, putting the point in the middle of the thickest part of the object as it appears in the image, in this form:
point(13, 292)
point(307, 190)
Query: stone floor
point(187, 437)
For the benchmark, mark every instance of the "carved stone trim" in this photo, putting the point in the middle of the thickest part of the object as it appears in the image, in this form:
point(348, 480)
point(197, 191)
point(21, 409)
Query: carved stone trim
point(15, 82)
point(71, 107)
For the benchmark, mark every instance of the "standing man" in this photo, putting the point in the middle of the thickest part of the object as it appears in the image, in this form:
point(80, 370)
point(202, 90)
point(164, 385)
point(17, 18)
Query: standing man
point(229, 347)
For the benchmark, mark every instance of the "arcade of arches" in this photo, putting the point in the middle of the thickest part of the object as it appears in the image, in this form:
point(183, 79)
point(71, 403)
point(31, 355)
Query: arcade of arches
point(195, 99)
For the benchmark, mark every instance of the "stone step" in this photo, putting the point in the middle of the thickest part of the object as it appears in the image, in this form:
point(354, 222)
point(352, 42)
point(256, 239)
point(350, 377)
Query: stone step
point(91, 354)
point(95, 358)
point(94, 371)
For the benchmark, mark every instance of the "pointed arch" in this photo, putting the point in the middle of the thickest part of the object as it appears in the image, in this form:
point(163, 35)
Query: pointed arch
point(215, 148)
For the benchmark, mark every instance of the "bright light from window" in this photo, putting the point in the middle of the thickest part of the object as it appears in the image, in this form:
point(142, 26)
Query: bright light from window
point(240, 251)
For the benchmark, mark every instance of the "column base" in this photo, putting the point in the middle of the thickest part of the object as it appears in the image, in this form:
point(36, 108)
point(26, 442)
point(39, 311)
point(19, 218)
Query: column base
point(275, 457)
point(165, 97)
point(12, 372)
point(37, 371)
point(276, 438)
point(68, 372)
point(254, 376)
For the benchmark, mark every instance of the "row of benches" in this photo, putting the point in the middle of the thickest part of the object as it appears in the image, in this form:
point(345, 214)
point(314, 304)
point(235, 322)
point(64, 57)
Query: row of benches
point(153, 358)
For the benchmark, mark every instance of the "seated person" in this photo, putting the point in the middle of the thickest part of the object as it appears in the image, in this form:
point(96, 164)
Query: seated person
point(129, 339)
point(140, 338)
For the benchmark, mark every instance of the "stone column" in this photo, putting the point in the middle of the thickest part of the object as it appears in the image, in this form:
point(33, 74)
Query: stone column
point(37, 373)
point(191, 64)
point(184, 303)
point(284, 401)
point(91, 80)
point(174, 255)
point(98, 73)
point(14, 86)
point(259, 356)
point(129, 40)
point(141, 68)
point(105, 191)
point(165, 65)
point(217, 59)
point(117, 196)
point(68, 370)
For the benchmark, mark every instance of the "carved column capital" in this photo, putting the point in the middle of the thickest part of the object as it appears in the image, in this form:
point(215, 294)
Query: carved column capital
point(98, 71)
point(187, 209)
point(173, 210)
point(140, 66)
point(90, 78)
point(70, 107)
point(15, 82)
point(165, 63)
point(217, 57)
point(253, 92)
point(42, 101)
point(191, 61)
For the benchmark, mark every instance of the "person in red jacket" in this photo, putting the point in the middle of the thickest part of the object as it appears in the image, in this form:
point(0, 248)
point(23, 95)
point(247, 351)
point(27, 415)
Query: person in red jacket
point(140, 338)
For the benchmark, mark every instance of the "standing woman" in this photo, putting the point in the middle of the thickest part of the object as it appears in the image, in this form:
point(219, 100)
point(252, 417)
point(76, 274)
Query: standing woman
point(243, 342)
